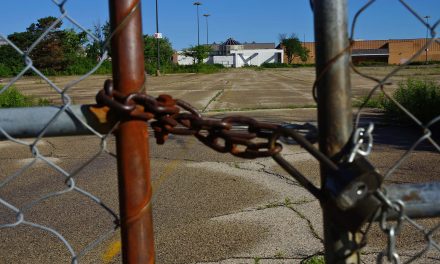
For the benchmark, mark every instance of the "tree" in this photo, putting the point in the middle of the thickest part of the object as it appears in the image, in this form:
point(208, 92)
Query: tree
point(102, 33)
point(293, 48)
point(198, 53)
point(150, 52)
point(57, 50)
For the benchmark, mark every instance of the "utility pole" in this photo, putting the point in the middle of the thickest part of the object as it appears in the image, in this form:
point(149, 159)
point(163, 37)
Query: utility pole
point(157, 41)
point(197, 4)
point(426, 38)
point(207, 28)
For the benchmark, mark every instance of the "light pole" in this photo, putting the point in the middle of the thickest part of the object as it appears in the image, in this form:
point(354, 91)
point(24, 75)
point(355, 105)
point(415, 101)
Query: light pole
point(426, 38)
point(157, 40)
point(207, 28)
point(198, 25)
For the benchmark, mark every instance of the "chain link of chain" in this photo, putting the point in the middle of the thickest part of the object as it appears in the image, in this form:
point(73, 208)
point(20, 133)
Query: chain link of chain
point(392, 230)
point(362, 142)
point(223, 135)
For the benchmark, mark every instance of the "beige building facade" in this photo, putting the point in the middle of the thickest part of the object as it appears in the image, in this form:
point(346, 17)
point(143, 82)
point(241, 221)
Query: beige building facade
point(395, 51)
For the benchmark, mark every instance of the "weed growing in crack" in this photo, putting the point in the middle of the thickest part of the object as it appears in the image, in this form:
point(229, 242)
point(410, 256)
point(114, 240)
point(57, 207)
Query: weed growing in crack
point(279, 255)
point(316, 259)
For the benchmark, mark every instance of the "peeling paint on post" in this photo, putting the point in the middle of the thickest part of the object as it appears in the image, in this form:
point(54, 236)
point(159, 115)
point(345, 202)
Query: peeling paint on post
point(135, 190)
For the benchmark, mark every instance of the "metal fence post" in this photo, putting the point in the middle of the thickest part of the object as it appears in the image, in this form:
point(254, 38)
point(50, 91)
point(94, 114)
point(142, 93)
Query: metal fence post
point(135, 190)
point(334, 107)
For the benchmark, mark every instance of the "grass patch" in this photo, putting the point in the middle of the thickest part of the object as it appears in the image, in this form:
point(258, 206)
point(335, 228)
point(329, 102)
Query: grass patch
point(13, 98)
point(253, 67)
point(373, 102)
point(262, 108)
point(425, 63)
point(80, 66)
point(420, 97)
point(279, 255)
point(371, 63)
point(285, 65)
point(317, 259)
point(194, 68)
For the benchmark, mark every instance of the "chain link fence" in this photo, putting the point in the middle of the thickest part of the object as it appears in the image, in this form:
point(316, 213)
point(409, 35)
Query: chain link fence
point(409, 240)
point(20, 205)
point(41, 179)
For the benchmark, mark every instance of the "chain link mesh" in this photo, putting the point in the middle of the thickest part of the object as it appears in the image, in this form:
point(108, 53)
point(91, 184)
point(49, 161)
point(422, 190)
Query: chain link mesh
point(18, 209)
point(405, 234)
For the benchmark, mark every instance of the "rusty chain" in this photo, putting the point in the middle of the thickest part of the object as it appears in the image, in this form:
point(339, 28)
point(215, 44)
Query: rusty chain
point(227, 135)
point(222, 135)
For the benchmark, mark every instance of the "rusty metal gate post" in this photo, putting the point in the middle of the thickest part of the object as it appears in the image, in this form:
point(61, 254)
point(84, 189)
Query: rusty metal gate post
point(135, 189)
point(334, 107)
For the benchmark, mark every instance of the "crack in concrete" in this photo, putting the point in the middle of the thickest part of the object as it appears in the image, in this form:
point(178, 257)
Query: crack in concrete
point(179, 159)
point(268, 206)
point(287, 204)
point(218, 94)
point(52, 148)
point(288, 180)
point(309, 223)
point(264, 169)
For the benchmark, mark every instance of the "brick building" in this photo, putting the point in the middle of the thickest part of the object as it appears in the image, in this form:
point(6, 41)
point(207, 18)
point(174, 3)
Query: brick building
point(393, 51)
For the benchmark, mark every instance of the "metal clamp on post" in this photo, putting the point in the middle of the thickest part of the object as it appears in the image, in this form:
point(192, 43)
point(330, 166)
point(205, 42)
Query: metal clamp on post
point(349, 188)
point(356, 178)
point(354, 186)
point(353, 190)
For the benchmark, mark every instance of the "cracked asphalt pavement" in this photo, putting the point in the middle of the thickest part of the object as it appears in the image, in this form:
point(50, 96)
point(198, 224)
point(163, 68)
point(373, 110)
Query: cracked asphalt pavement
point(208, 207)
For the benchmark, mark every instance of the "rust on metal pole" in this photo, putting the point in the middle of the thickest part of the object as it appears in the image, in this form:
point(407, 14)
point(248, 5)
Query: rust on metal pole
point(135, 189)
point(334, 109)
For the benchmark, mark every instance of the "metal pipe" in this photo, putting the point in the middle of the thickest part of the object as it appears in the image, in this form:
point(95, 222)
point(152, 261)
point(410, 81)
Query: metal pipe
point(420, 200)
point(29, 122)
point(135, 190)
point(334, 108)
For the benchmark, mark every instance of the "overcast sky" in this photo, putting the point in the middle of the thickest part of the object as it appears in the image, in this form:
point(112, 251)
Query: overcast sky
point(243, 20)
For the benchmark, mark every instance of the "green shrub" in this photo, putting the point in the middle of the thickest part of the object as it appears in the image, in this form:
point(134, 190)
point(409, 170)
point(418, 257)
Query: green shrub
point(424, 63)
point(5, 71)
point(276, 65)
point(373, 102)
point(194, 68)
point(317, 259)
point(285, 65)
point(420, 97)
point(13, 98)
point(371, 63)
point(81, 66)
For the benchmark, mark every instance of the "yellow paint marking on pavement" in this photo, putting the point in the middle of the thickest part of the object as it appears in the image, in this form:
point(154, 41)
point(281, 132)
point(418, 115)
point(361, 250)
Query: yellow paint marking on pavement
point(112, 251)
point(114, 248)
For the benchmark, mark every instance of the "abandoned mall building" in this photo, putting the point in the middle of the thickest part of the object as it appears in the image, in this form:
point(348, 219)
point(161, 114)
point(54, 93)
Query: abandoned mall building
point(232, 53)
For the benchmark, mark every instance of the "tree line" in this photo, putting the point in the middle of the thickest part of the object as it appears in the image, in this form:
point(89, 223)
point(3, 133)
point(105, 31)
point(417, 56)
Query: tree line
point(64, 51)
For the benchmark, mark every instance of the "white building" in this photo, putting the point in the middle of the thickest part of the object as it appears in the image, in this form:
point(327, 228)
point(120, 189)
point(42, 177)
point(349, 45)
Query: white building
point(232, 53)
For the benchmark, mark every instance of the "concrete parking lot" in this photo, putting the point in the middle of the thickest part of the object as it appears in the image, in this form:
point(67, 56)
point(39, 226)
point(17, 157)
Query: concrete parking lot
point(208, 207)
